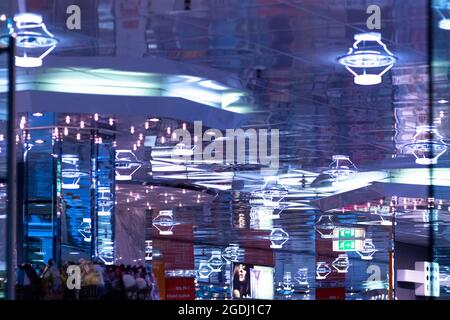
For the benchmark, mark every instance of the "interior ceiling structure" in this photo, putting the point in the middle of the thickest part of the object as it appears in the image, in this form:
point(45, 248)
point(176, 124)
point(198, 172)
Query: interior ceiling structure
point(283, 53)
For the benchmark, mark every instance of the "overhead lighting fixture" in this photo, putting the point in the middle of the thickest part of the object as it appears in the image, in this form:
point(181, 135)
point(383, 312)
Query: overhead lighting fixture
point(427, 146)
point(322, 270)
point(302, 276)
point(38, 114)
point(34, 42)
point(85, 229)
point(215, 261)
point(164, 222)
point(231, 253)
point(70, 173)
point(288, 286)
point(341, 168)
point(264, 213)
point(204, 270)
point(278, 237)
point(107, 255)
point(273, 190)
point(367, 55)
point(181, 150)
point(148, 250)
point(325, 226)
point(368, 250)
point(126, 165)
point(341, 263)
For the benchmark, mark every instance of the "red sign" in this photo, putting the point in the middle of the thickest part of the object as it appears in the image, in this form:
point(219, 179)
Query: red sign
point(330, 294)
point(180, 288)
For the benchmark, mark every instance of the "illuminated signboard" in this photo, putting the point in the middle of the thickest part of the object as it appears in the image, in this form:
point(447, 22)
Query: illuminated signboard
point(348, 233)
point(347, 245)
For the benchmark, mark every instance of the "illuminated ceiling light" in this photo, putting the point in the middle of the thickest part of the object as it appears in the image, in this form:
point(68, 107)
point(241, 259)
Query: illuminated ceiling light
point(442, 101)
point(278, 237)
point(368, 250)
point(427, 145)
point(111, 121)
point(132, 130)
point(82, 124)
point(372, 54)
point(325, 226)
point(273, 190)
point(107, 255)
point(39, 141)
point(146, 125)
point(67, 119)
point(322, 270)
point(38, 114)
point(231, 253)
point(215, 261)
point(71, 176)
point(288, 286)
point(302, 276)
point(126, 165)
point(85, 229)
point(341, 263)
point(148, 250)
point(182, 150)
point(184, 126)
point(154, 120)
point(204, 270)
point(34, 42)
point(96, 117)
point(164, 222)
point(78, 136)
point(341, 168)
point(66, 131)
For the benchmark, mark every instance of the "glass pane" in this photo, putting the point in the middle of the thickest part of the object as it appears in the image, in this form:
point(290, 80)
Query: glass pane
point(3, 169)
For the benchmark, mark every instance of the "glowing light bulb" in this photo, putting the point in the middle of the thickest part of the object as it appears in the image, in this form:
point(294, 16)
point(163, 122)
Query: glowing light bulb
point(367, 54)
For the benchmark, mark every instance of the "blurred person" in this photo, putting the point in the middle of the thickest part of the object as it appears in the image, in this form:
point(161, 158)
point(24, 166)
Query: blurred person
point(51, 282)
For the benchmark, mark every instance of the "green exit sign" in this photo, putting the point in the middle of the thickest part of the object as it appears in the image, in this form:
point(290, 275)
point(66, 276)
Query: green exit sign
point(347, 245)
point(346, 233)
